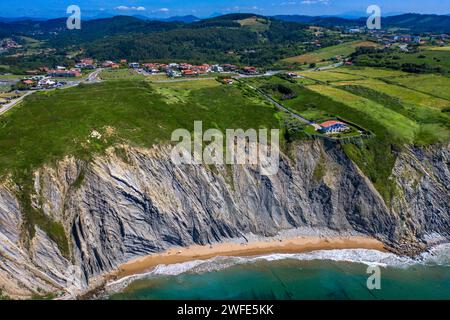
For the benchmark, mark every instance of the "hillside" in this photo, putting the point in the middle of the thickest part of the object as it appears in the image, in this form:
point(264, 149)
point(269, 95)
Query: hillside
point(324, 54)
point(245, 39)
point(412, 22)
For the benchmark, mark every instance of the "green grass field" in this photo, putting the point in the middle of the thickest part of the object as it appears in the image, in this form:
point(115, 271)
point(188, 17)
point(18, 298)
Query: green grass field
point(445, 48)
point(158, 77)
point(4, 88)
point(120, 74)
point(137, 111)
point(255, 24)
point(409, 97)
point(438, 86)
point(368, 72)
point(400, 127)
point(433, 61)
point(12, 76)
point(343, 49)
point(329, 76)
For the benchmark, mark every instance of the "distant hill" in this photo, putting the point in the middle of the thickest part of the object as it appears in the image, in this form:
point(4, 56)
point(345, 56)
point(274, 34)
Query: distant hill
point(413, 22)
point(15, 19)
point(420, 22)
point(240, 38)
point(185, 19)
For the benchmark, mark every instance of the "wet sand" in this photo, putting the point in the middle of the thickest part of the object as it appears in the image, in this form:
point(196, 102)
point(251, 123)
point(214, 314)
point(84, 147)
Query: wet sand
point(290, 245)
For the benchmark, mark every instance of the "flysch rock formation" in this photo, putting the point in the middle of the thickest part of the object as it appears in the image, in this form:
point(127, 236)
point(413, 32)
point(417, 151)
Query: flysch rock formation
point(128, 204)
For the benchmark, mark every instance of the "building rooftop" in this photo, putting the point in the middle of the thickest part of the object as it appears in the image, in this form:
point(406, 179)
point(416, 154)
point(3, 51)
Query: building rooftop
point(330, 123)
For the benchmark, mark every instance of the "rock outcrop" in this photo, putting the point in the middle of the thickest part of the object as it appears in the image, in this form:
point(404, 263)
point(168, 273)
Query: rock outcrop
point(131, 203)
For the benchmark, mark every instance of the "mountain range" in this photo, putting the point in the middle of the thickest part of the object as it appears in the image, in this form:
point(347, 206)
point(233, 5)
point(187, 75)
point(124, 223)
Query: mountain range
point(410, 21)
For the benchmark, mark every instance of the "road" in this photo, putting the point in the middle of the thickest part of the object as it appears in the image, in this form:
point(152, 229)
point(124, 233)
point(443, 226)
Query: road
point(331, 66)
point(283, 108)
point(93, 77)
point(13, 103)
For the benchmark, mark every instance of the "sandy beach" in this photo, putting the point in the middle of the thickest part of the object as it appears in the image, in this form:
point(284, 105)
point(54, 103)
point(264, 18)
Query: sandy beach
point(290, 245)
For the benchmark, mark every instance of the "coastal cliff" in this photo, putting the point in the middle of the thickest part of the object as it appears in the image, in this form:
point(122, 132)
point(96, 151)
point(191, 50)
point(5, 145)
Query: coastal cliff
point(131, 202)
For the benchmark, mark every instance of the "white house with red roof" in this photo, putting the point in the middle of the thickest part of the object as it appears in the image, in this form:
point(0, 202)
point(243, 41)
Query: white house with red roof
point(333, 126)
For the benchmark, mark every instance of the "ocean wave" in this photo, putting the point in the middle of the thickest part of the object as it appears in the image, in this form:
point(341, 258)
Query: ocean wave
point(439, 255)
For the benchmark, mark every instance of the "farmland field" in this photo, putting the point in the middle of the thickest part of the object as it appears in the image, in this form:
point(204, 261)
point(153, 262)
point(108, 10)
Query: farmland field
point(432, 84)
point(329, 76)
point(157, 77)
point(368, 72)
point(446, 48)
point(429, 61)
point(407, 96)
point(255, 24)
point(344, 49)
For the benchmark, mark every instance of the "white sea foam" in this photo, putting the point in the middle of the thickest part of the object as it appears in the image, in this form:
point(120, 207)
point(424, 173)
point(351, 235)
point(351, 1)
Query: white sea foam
point(439, 255)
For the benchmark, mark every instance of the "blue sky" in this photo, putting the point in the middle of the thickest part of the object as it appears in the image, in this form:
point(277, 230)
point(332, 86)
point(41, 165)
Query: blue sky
point(204, 8)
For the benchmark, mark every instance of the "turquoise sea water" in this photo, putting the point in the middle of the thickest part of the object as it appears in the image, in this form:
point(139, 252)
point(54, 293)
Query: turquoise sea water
point(337, 274)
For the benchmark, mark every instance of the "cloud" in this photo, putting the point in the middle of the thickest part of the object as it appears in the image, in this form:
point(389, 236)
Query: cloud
point(242, 9)
point(127, 8)
point(163, 10)
point(315, 1)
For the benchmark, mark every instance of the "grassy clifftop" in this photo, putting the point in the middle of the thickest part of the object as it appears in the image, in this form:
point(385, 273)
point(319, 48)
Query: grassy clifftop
point(53, 124)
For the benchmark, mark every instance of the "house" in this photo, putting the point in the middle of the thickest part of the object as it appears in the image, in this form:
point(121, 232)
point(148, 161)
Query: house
point(87, 61)
point(123, 61)
point(38, 78)
point(404, 47)
point(228, 81)
point(250, 70)
point(151, 67)
point(354, 30)
point(115, 66)
point(173, 73)
point(189, 73)
point(332, 126)
point(134, 65)
point(47, 83)
point(216, 68)
point(107, 64)
point(201, 69)
point(402, 38)
point(28, 82)
point(185, 66)
point(64, 73)
point(230, 67)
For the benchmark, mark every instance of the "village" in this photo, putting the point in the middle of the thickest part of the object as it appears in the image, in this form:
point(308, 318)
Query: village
point(46, 78)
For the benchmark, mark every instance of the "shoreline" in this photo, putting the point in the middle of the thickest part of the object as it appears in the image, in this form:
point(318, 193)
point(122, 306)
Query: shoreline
point(289, 244)
point(299, 244)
